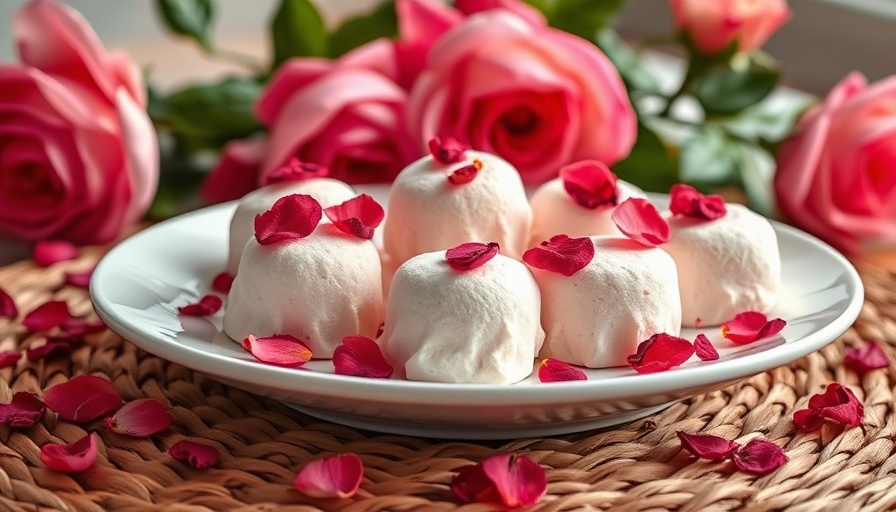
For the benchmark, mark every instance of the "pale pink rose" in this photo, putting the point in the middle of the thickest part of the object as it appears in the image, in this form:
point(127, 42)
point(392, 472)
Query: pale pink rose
point(538, 97)
point(237, 171)
point(78, 154)
point(713, 24)
point(836, 176)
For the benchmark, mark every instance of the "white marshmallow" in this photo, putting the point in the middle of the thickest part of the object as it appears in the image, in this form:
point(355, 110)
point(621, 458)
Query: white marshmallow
point(598, 316)
point(328, 192)
point(427, 213)
point(554, 212)
point(477, 326)
point(319, 289)
point(725, 266)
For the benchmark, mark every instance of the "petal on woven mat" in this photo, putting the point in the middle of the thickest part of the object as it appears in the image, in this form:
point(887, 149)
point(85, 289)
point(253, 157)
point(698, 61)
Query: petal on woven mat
point(83, 398)
point(507, 479)
point(48, 315)
point(197, 455)
point(8, 307)
point(70, 458)
point(25, 409)
point(49, 252)
point(707, 446)
point(338, 476)
point(140, 418)
point(866, 358)
point(80, 279)
point(759, 457)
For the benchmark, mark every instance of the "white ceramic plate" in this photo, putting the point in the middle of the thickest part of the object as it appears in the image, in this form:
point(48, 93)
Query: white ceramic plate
point(139, 283)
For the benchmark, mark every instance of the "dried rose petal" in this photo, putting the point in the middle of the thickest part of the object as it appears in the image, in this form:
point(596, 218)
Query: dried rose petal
point(48, 252)
point(660, 353)
point(808, 420)
point(750, 326)
point(759, 457)
point(554, 370)
point(838, 403)
point(707, 446)
point(359, 216)
point(338, 476)
point(866, 358)
point(687, 201)
point(9, 358)
point(80, 326)
point(508, 479)
point(360, 356)
point(198, 455)
point(447, 150)
point(295, 170)
point(55, 346)
point(70, 458)
point(465, 174)
point(590, 183)
point(8, 307)
point(24, 410)
point(208, 305)
point(83, 398)
point(280, 349)
point(639, 220)
point(140, 418)
point(222, 282)
point(291, 218)
point(561, 254)
point(471, 255)
point(47, 316)
point(79, 279)
point(704, 348)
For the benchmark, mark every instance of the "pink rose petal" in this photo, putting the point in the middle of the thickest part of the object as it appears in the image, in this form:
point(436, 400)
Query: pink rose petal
point(639, 220)
point(222, 282)
point(359, 216)
point(707, 446)
point(590, 184)
point(70, 458)
point(197, 455)
point(24, 410)
point(49, 252)
point(660, 353)
point(447, 150)
point(561, 254)
point(471, 255)
point(704, 348)
point(750, 326)
point(554, 370)
point(291, 218)
point(208, 305)
point(280, 349)
point(8, 307)
point(47, 316)
point(140, 418)
point(510, 480)
point(759, 457)
point(9, 358)
point(83, 398)
point(295, 170)
point(866, 358)
point(338, 476)
point(838, 403)
point(359, 356)
point(79, 279)
point(685, 200)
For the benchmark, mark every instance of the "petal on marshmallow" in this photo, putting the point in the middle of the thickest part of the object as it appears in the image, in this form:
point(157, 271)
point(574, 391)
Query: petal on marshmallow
point(358, 216)
point(561, 254)
point(471, 255)
point(685, 200)
point(590, 183)
point(291, 218)
point(447, 150)
point(639, 220)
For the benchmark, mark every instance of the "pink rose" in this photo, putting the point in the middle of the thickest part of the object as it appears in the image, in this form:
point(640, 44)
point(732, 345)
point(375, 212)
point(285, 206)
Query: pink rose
point(836, 176)
point(538, 97)
point(713, 24)
point(78, 154)
point(237, 171)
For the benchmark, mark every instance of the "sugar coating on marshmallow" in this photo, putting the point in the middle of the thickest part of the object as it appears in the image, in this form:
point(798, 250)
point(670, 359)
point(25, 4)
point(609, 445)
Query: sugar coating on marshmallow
point(427, 213)
point(478, 326)
point(328, 192)
point(319, 289)
point(554, 212)
point(725, 266)
point(598, 316)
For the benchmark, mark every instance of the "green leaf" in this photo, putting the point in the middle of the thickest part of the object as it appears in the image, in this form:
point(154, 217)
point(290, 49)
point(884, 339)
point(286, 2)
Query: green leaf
point(725, 91)
point(634, 72)
point(771, 121)
point(650, 165)
point(580, 17)
point(177, 192)
point(381, 22)
point(189, 18)
point(708, 158)
point(298, 31)
point(756, 167)
point(216, 112)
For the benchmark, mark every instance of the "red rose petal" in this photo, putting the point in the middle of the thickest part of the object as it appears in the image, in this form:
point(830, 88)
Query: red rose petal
point(359, 356)
point(9, 358)
point(866, 358)
point(198, 455)
point(8, 307)
point(838, 403)
point(750, 326)
point(80, 326)
point(48, 252)
point(759, 457)
point(465, 174)
point(471, 255)
point(295, 170)
point(222, 282)
point(447, 150)
point(704, 348)
point(208, 305)
point(808, 420)
point(280, 349)
point(291, 218)
point(639, 220)
point(47, 316)
point(359, 216)
point(660, 353)
point(554, 370)
point(70, 458)
point(140, 418)
point(471, 485)
point(79, 279)
point(83, 398)
point(590, 183)
point(685, 200)
point(55, 346)
point(511, 480)
point(707, 446)
point(24, 410)
point(338, 476)
point(561, 254)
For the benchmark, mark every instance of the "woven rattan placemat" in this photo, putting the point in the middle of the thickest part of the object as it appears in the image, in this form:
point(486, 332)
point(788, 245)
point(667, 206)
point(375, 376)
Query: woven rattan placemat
point(635, 467)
